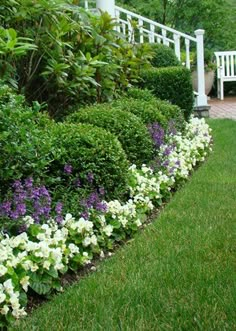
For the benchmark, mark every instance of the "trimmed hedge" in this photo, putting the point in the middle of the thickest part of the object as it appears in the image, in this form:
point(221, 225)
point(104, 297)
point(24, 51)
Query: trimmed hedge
point(129, 129)
point(173, 84)
point(33, 145)
point(158, 106)
point(164, 56)
point(147, 111)
point(90, 149)
point(140, 94)
point(25, 145)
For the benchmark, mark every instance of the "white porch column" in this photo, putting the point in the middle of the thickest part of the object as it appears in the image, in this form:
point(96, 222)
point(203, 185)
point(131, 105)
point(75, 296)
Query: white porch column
point(201, 98)
point(106, 5)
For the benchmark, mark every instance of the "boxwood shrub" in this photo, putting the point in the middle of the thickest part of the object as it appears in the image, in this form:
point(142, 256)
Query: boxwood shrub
point(140, 94)
point(25, 144)
point(147, 111)
point(163, 56)
point(129, 129)
point(90, 149)
point(173, 84)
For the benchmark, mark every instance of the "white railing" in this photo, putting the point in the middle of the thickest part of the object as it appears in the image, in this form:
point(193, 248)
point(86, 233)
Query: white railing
point(226, 70)
point(139, 29)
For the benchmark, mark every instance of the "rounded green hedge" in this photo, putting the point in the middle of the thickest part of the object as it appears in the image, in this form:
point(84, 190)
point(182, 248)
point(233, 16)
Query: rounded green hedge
point(149, 108)
point(173, 84)
point(163, 56)
point(140, 94)
point(129, 129)
point(148, 111)
point(90, 149)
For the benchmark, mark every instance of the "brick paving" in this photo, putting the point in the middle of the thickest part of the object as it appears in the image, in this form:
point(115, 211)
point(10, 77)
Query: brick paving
point(223, 108)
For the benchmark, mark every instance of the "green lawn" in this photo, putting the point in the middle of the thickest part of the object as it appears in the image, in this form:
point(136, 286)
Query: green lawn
point(178, 274)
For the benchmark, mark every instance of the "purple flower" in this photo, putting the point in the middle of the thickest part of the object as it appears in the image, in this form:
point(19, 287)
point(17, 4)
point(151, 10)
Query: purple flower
point(29, 183)
point(172, 169)
point(101, 191)
point(21, 209)
point(172, 127)
point(167, 151)
point(101, 206)
point(90, 177)
point(68, 169)
point(165, 163)
point(77, 182)
point(157, 133)
point(177, 163)
point(5, 208)
point(59, 219)
point(14, 215)
point(58, 208)
point(85, 215)
point(17, 186)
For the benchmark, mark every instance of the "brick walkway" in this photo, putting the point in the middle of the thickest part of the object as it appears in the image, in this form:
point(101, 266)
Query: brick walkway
point(223, 109)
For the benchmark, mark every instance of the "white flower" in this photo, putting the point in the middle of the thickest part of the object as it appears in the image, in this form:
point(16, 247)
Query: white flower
point(4, 310)
point(8, 286)
point(46, 264)
point(86, 242)
point(93, 240)
point(108, 230)
point(2, 297)
point(25, 283)
point(138, 222)
point(73, 248)
point(3, 270)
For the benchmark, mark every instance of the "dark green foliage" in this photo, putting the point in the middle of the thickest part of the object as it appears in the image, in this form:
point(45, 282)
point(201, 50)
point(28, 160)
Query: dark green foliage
point(146, 110)
point(73, 57)
point(25, 145)
point(140, 94)
point(90, 149)
point(164, 56)
point(151, 109)
point(129, 129)
point(173, 84)
point(33, 145)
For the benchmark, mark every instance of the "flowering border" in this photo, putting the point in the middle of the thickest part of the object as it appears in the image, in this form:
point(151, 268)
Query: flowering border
point(36, 258)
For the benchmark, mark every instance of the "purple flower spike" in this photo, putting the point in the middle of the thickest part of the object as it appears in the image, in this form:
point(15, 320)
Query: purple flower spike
point(29, 183)
point(172, 127)
point(90, 177)
point(157, 133)
point(58, 208)
point(68, 169)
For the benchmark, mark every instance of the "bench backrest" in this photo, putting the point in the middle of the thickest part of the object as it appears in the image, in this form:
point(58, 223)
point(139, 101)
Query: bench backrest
point(226, 64)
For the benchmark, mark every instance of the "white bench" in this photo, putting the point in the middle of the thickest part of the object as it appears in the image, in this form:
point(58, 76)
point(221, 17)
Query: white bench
point(226, 70)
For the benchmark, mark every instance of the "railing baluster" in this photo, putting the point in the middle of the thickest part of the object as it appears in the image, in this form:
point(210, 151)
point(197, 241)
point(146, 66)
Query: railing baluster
point(130, 29)
point(177, 45)
point(124, 28)
point(117, 13)
point(152, 35)
point(163, 32)
point(140, 24)
point(187, 49)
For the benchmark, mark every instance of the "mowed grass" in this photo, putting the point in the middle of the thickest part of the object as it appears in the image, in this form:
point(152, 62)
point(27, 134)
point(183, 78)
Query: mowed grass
point(178, 274)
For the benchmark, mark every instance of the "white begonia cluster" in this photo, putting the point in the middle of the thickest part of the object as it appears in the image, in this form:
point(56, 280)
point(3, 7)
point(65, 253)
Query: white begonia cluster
point(55, 246)
point(185, 150)
point(52, 249)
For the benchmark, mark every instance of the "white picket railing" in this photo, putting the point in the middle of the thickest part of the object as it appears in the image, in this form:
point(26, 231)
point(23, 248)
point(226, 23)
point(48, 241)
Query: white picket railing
point(139, 29)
